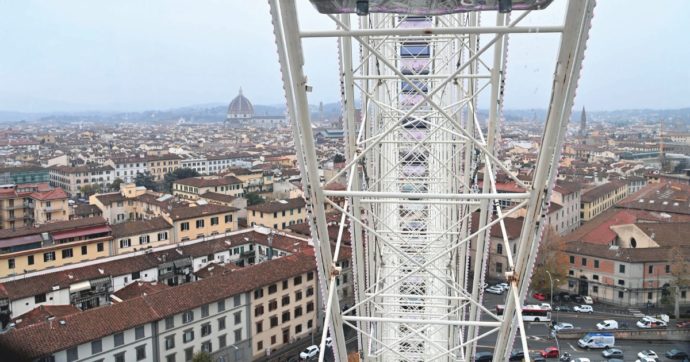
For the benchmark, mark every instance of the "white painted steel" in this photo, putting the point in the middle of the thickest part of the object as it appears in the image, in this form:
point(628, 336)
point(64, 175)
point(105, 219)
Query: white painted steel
point(412, 165)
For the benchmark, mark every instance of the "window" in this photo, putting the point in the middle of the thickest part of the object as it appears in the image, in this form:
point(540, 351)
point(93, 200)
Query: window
point(584, 261)
point(169, 322)
point(259, 326)
point(221, 305)
point(184, 226)
point(274, 321)
point(163, 236)
point(298, 328)
point(651, 269)
point(119, 339)
point(84, 250)
point(125, 243)
point(310, 275)
point(205, 329)
point(188, 336)
point(298, 295)
point(141, 352)
point(204, 310)
point(99, 247)
point(169, 342)
point(139, 332)
point(596, 264)
point(206, 347)
point(258, 293)
point(298, 280)
point(96, 346)
point(238, 335)
point(260, 345)
point(650, 295)
point(310, 324)
point(621, 282)
point(668, 268)
point(238, 318)
point(237, 300)
point(170, 358)
point(298, 311)
point(50, 256)
point(187, 316)
point(595, 289)
point(72, 354)
point(499, 248)
point(188, 354)
point(285, 300)
point(144, 239)
point(272, 288)
point(221, 323)
point(228, 219)
point(286, 316)
point(120, 357)
point(595, 277)
point(499, 267)
point(310, 307)
point(683, 294)
point(200, 223)
point(273, 340)
point(214, 220)
point(30, 260)
point(222, 341)
point(272, 305)
point(620, 294)
point(621, 269)
point(572, 259)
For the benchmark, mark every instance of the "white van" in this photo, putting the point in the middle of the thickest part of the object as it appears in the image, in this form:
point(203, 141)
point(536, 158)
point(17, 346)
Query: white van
point(587, 299)
point(597, 340)
point(607, 324)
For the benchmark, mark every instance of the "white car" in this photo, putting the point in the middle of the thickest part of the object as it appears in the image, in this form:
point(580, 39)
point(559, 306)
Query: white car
point(649, 354)
point(645, 359)
point(581, 359)
point(494, 290)
point(329, 342)
point(588, 299)
point(607, 324)
point(310, 352)
point(503, 286)
point(546, 306)
point(584, 308)
point(561, 326)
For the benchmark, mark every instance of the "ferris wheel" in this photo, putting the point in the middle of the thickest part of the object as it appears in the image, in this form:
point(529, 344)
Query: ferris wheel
point(422, 203)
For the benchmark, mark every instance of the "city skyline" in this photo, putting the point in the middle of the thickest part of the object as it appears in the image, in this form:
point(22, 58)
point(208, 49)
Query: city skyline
point(79, 57)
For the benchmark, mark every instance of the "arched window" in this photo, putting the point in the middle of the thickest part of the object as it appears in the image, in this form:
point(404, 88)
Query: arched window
point(633, 242)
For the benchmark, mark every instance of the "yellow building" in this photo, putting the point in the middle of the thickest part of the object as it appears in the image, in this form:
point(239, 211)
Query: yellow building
point(193, 222)
point(31, 204)
point(192, 188)
point(53, 245)
point(601, 198)
point(50, 206)
point(141, 234)
point(253, 181)
point(158, 166)
point(279, 214)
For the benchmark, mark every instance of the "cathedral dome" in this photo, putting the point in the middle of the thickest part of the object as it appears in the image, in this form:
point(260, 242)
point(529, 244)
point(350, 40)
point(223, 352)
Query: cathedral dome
point(240, 107)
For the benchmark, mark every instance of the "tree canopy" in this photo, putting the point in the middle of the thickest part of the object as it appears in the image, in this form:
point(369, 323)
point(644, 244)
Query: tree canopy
point(146, 179)
point(551, 258)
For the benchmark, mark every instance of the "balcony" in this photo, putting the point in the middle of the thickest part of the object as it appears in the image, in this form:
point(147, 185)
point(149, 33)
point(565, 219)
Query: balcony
point(51, 209)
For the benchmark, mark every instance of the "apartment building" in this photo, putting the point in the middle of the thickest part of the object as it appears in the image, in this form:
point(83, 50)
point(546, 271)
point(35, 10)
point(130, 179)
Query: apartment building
point(23, 175)
point(633, 269)
point(568, 196)
point(278, 214)
point(141, 234)
point(215, 315)
point(53, 245)
point(73, 178)
point(126, 169)
point(210, 164)
point(601, 198)
point(192, 188)
point(50, 206)
point(497, 264)
point(159, 165)
point(195, 222)
point(254, 181)
point(31, 204)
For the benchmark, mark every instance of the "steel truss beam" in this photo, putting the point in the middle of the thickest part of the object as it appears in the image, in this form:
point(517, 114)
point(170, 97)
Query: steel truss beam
point(412, 165)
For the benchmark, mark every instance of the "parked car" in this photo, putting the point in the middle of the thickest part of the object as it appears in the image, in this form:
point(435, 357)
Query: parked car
point(646, 359)
point(577, 298)
point(683, 324)
point(563, 308)
point(607, 324)
point(329, 342)
point(494, 290)
point(588, 299)
point(616, 360)
point(647, 353)
point(612, 353)
point(516, 355)
point(505, 286)
point(550, 352)
point(676, 354)
point(580, 359)
point(483, 356)
point(536, 357)
point(584, 308)
point(563, 326)
point(310, 352)
point(539, 296)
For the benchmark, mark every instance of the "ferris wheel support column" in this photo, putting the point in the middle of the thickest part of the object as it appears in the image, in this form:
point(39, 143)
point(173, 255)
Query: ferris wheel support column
point(291, 60)
point(566, 75)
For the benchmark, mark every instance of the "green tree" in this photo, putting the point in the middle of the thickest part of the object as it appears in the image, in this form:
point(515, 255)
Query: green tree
point(338, 158)
point(90, 189)
point(202, 356)
point(254, 199)
point(680, 271)
point(115, 186)
point(551, 257)
point(177, 174)
point(146, 179)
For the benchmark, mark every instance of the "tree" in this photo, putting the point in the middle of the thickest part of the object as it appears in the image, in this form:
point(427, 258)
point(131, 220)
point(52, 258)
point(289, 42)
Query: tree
point(202, 356)
point(551, 257)
point(680, 272)
point(146, 179)
point(177, 174)
point(115, 186)
point(89, 189)
point(338, 158)
point(254, 198)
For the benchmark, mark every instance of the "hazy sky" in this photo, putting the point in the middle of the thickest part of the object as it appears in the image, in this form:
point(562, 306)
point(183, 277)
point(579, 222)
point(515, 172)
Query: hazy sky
point(138, 54)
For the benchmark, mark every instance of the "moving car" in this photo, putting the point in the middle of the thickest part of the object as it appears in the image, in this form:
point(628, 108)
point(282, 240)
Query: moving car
point(563, 326)
point(563, 308)
point(494, 290)
point(683, 324)
point(310, 352)
point(597, 340)
point(505, 286)
point(588, 300)
point(612, 353)
point(647, 353)
point(675, 354)
point(329, 342)
point(539, 296)
point(584, 308)
point(546, 306)
point(650, 322)
point(483, 356)
point(581, 359)
point(577, 298)
point(646, 359)
point(516, 355)
point(550, 352)
point(607, 324)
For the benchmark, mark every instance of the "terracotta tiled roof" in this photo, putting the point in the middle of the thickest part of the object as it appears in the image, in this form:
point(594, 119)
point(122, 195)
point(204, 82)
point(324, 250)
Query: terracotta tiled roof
point(111, 198)
point(213, 269)
point(183, 213)
point(56, 194)
point(42, 313)
point(661, 197)
point(275, 206)
point(209, 182)
point(138, 289)
point(218, 197)
point(667, 234)
point(54, 226)
point(601, 190)
point(631, 255)
point(139, 227)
